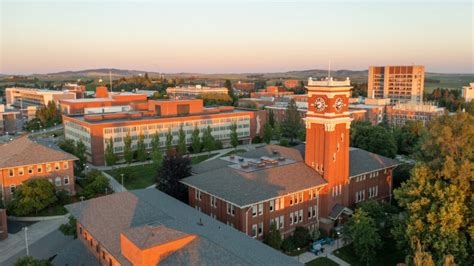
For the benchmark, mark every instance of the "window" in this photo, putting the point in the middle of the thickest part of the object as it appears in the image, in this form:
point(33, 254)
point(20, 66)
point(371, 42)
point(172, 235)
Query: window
point(230, 209)
point(56, 166)
point(213, 202)
point(301, 197)
point(260, 229)
point(295, 217)
point(272, 205)
point(48, 168)
point(291, 218)
point(11, 172)
point(296, 198)
point(197, 194)
point(12, 189)
point(66, 180)
point(282, 203)
point(282, 221)
point(310, 212)
point(260, 209)
point(315, 210)
point(301, 216)
point(291, 200)
point(65, 165)
point(254, 210)
point(277, 204)
point(39, 169)
point(30, 170)
point(57, 181)
point(254, 230)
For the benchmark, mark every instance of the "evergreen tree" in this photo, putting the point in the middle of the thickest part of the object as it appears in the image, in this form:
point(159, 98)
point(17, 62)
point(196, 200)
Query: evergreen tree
point(277, 131)
point(228, 85)
point(267, 133)
point(110, 157)
point(208, 141)
point(196, 140)
point(127, 149)
point(292, 123)
point(141, 148)
point(80, 152)
point(273, 238)
point(438, 197)
point(234, 137)
point(182, 148)
point(156, 154)
point(271, 118)
point(169, 141)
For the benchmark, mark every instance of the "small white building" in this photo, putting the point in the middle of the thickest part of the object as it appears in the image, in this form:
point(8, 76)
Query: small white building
point(468, 92)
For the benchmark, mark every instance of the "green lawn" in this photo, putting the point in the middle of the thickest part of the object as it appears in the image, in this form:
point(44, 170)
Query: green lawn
point(321, 262)
point(142, 176)
point(234, 152)
point(387, 255)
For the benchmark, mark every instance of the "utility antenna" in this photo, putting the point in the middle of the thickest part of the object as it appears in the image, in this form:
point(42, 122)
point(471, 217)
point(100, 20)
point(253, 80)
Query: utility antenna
point(110, 78)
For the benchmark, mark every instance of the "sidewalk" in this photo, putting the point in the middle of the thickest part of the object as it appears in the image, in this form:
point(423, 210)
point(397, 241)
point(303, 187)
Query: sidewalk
point(328, 253)
point(16, 242)
point(114, 184)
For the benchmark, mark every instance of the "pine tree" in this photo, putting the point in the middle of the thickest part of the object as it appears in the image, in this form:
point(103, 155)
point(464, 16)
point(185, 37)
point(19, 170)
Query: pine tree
point(175, 168)
point(182, 148)
point(196, 140)
point(271, 118)
point(156, 154)
point(267, 133)
point(80, 153)
point(127, 149)
point(208, 141)
point(292, 123)
point(228, 85)
point(169, 141)
point(277, 131)
point(141, 148)
point(234, 137)
point(110, 157)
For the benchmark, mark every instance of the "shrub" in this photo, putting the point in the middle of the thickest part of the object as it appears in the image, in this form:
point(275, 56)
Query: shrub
point(288, 244)
point(301, 236)
point(257, 139)
point(284, 142)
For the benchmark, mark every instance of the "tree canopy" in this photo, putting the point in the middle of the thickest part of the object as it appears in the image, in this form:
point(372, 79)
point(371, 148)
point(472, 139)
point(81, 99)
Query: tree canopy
point(32, 197)
point(174, 168)
point(376, 139)
point(292, 124)
point(110, 157)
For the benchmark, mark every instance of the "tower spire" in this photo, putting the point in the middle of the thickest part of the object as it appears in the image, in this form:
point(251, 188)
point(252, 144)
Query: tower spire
point(329, 70)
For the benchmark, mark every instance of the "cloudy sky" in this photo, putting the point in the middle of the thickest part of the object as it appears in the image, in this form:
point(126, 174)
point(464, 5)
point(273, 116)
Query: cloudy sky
point(234, 36)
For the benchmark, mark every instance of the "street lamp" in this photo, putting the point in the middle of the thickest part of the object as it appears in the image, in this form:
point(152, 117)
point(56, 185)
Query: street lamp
point(123, 188)
point(298, 254)
point(26, 240)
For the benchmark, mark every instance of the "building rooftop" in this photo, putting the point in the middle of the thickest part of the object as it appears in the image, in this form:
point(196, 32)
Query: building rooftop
point(216, 243)
point(23, 151)
point(241, 187)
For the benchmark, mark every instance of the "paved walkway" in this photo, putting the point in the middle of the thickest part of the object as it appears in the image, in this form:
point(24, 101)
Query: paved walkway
point(328, 253)
point(15, 243)
point(114, 184)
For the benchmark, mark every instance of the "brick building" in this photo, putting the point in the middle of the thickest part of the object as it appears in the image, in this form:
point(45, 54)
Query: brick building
point(398, 114)
point(291, 83)
point(159, 116)
point(194, 91)
point(24, 97)
point(398, 83)
point(3, 224)
point(271, 91)
point(313, 185)
point(148, 227)
point(23, 159)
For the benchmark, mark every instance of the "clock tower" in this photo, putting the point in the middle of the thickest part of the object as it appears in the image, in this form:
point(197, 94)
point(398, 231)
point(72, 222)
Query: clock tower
point(327, 141)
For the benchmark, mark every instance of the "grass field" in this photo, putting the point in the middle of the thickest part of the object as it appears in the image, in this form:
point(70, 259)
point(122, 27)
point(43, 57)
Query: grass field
point(450, 81)
point(388, 255)
point(321, 262)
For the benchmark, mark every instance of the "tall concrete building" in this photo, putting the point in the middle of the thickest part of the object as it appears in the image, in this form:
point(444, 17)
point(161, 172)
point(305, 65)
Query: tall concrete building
point(399, 83)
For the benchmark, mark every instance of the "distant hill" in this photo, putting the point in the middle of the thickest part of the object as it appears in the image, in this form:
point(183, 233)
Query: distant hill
point(100, 72)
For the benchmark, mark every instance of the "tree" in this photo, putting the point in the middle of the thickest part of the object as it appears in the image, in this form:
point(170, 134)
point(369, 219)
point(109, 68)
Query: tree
point(67, 145)
point(49, 115)
point(156, 154)
point(80, 153)
point(438, 198)
point(94, 183)
point(228, 85)
point(292, 123)
point(276, 131)
point(175, 167)
point(32, 197)
point(196, 140)
point(273, 238)
point(234, 137)
point(127, 149)
point(169, 141)
point(110, 157)
point(141, 149)
point(30, 261)
point(182, 148)
point(208, 141)
point(69, 228)
point(362, 231)
point(374, 139)
point(301, 237)
point(408, 137)
point(267, 133)
point(271, 118)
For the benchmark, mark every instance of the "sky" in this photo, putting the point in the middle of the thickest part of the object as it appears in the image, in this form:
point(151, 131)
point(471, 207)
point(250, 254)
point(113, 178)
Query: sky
point(234, 36)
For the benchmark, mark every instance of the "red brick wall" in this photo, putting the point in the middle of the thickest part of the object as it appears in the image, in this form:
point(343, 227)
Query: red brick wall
point(3, 224)
point(382, 179)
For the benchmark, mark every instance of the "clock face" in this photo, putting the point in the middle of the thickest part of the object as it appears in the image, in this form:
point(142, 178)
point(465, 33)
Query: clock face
point(320, 104)
point(339, 104)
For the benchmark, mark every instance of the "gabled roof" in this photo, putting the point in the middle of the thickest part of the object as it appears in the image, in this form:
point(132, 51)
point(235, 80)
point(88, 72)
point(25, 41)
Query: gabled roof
point(216, 243)
point(23, 151)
